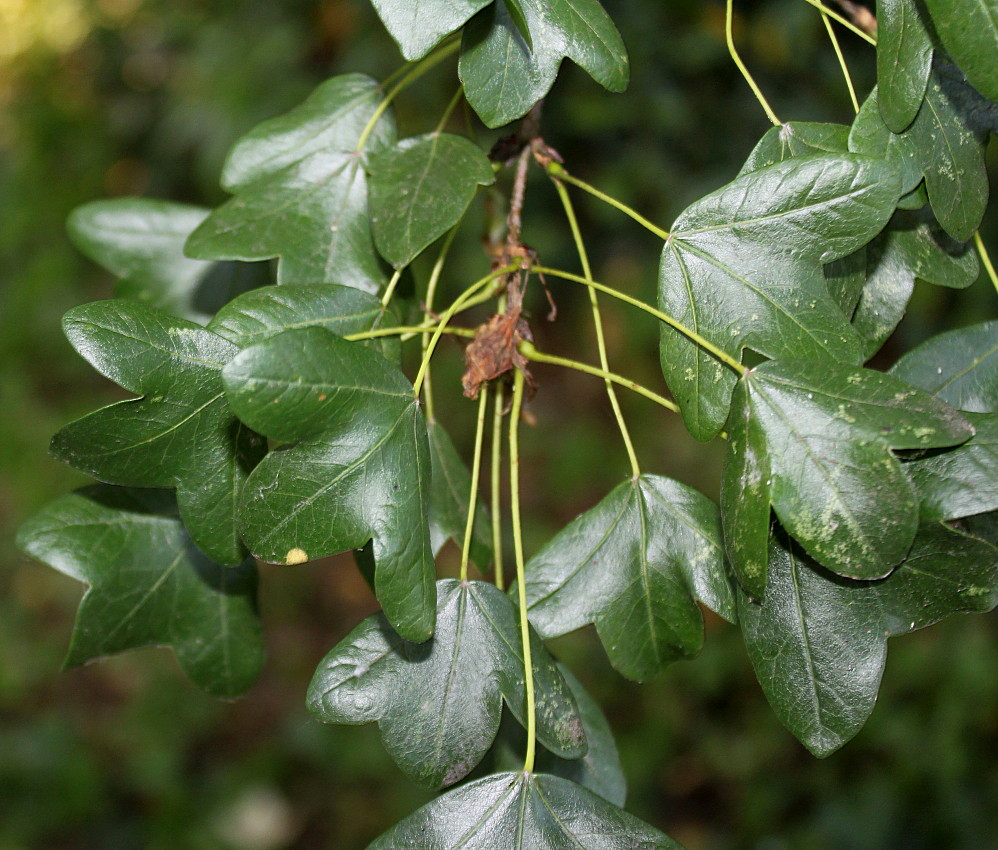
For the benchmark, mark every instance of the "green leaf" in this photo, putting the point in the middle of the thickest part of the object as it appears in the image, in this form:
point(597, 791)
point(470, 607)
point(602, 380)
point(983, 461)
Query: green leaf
point(149, 585)
point(266, 312)
point(450, 489)
point(420, 189)
point(816, 437)
point(818, 642)
point(945, 143)
point(635, 566)
point(418, 25)
point(522, 811)
point(599, 769)
point(963, 481)
point(301, 191)
point(504, 75)
point(969, 32)
point(912, 247)
point(959, 366)
point(438, 704)
point(358, 468)
point(904, 60)
point(871, 136)
point(796, 139)
point(181, 432)
point(743, 268)
point(141, 241)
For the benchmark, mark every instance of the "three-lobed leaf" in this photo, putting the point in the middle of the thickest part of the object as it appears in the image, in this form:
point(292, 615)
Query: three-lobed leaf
point(814, 439)
point(149, 585)
point(301, 190)
point(818, 642)
point(523, 811)
point(743, 268)
point(438, 704)
point(357, 467)
point(635, 565)
point(421, 188)
point(181, 432)
point(512, 50)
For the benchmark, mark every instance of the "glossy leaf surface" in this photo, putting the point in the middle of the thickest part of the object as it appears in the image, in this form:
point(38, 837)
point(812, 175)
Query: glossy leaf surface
point(357, 468)
point(959, 366)
point(796, 139)
point(418, 25)
point(449, 493)
point(743, 267)
point(599, 769)
point(969, 31)
point(904, 60)
point(420, 189)
point(149, 585)
point(271, 310)
point(912, 247)
point(816, 437)
point(818, 642)
point(962, 481)
point(522, 811)
point(438, 704)
point(141, 241)
point(181, 433)
point(635, 565)
point(301, 191)
point(504, 74)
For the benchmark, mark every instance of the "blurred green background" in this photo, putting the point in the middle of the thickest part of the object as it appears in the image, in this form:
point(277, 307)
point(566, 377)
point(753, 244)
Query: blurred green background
point(101, 98)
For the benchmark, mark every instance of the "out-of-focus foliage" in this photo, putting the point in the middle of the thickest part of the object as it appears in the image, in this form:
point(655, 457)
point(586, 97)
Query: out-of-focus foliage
point(102, 98)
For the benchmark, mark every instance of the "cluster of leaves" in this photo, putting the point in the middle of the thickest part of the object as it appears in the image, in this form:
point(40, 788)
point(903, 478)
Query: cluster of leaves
point(855, 504)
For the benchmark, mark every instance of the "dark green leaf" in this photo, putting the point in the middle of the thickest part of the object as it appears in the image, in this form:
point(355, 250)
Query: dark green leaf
point(438, 704)
point(358, 468)
point(821, 434)
point(301, 191)
point(904, 60)
point(599, 769)
point(451, 487)
point(912, 246)
point(266, 312)
point(635, 565)
point(845, 280)
point(969, 31)
point(870, 136)
point(418, 25)
point(141, 241)
point(181, 433)
point(945, 143)
point(963, 481)
point(796, 139)
point(522, 811)
point(959, 366)
point(149, 585)
point(504, 75)
point(818, 642)
point(420, 189)
point(743, 268)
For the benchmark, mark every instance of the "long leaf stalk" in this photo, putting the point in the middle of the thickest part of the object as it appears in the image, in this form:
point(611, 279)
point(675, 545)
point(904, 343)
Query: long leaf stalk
point(689, 333)
point(842, 60)
point(730, 39)
point(521, 583)
point(476, 468)
point(849, 25)
point(431, 290)
point(985, 259)
point(557, 170)
point(495, 488)
point(580, 247)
